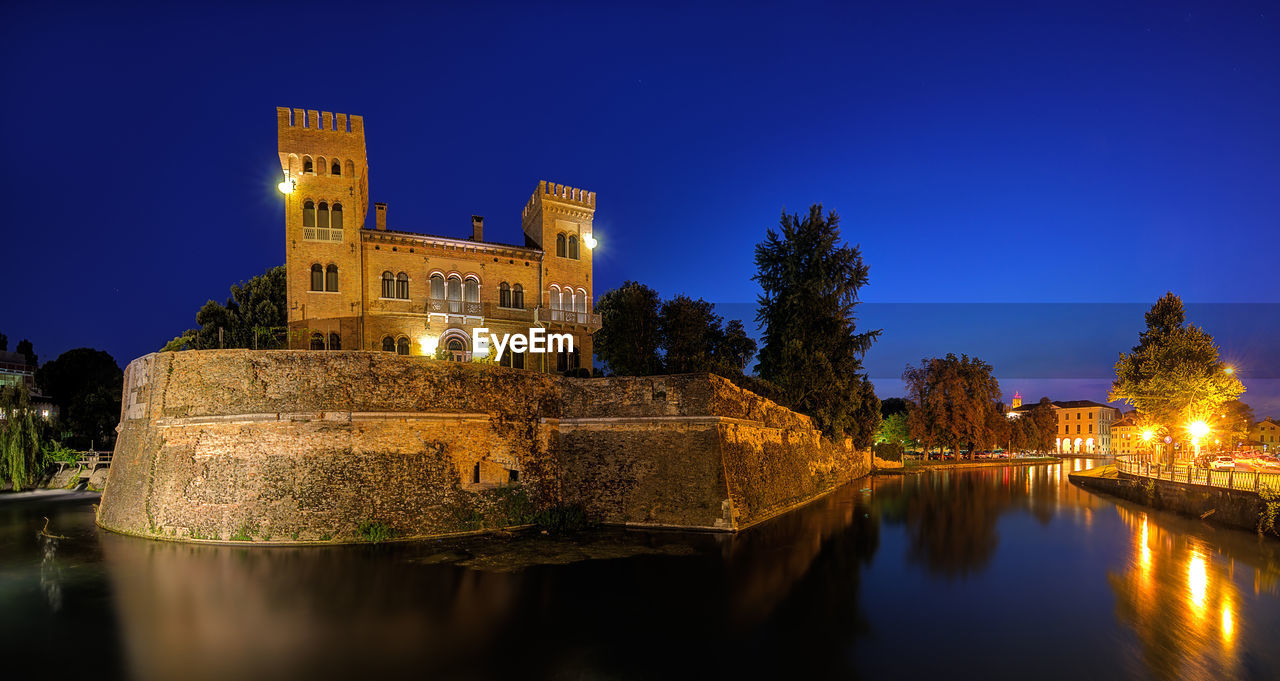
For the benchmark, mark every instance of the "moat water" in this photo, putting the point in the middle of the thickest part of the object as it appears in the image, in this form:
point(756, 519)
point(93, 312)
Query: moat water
point(994, 573)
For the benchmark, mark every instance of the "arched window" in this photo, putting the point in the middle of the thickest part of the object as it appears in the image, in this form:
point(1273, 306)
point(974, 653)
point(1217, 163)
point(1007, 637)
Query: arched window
point(517, 296)
point(455, 294)
point(308, 214)
point(336, 216)
point(317, 277)
point(402, 286)
point(337, 167)
point(504, 294)
point(322, 216)
point(331, 278)
point(471, 291)
point(555, 297)
point(437, 287)
point(560, 245)
point(388, 344)
point(456, 351)
point(388, 285)
point(580, 301)
point(306, 165)
point(402, 346)
point(335, 341)
point(320, 166)
point(573, 247)
point(317, 341)
point(351, 169)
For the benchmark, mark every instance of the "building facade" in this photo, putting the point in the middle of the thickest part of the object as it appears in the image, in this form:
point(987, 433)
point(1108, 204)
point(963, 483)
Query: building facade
point(1266, 433)
point(353, 286)
point(1084, 426)
point(16, 371)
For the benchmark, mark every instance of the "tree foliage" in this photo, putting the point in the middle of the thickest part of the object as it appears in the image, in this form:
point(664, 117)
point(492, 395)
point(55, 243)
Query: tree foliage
point(27, 350)
point(86, 385)
point(253, 317)
point(812, 350)
point(957, 402)
point(1174, 375)
point(627, 342)
point(893, 430)
point(20, 439)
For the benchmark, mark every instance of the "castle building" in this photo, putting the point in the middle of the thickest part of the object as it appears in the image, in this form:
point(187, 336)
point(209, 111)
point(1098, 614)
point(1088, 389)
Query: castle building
point(355, 286)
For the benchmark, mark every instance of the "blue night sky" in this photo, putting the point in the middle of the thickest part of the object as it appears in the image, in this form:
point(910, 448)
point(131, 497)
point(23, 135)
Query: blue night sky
point(992, 153)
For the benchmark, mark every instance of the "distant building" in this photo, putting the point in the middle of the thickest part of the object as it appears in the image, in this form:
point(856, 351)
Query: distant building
point(1266, 433)
point(1084, 426)
point(15, 370)
point(1126, 436)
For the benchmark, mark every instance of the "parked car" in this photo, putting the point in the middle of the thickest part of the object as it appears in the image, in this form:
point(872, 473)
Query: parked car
point(1222, 463)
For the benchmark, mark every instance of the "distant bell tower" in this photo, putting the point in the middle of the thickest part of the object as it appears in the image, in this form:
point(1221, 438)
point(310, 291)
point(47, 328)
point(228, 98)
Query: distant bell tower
point(1017, 400)
point(325, 182)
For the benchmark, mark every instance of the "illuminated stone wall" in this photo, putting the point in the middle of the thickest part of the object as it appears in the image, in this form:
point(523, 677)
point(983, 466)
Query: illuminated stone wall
point(290, 446)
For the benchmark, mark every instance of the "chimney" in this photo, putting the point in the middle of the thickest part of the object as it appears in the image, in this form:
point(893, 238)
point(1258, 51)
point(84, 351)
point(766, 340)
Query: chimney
point(477, 228)
point(381, 209)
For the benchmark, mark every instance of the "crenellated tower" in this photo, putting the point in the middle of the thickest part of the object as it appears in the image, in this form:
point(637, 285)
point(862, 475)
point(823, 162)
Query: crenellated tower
point(325, 179)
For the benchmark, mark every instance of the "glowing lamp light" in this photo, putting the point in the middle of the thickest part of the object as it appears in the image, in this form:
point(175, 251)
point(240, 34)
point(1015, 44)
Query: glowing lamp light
point(285, 187)
point(1229, 369)
point(1147, 435)
point(588, 241)
point(429, 344)
point(1198, 429)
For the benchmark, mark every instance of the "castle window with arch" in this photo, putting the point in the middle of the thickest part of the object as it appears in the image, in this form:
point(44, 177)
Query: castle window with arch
point(580, 303)
point(307, 167)
point(517, 297)
point(317, 341)
point(471, 291)
point(402, 346)
point(335, 341)
point(320, 166)
point(317, 278)
point(331, 278)
point(351, 169)
point(335, 217)
point(573, 247)
point(322, 216)
point(560, 245)
point(388, 344)
point(388, 285)
point(555, 297)
point(308, 214)
point(337, 168)
point(437, 287)
point(504, 294)
point(455, 293)
point(402, 286)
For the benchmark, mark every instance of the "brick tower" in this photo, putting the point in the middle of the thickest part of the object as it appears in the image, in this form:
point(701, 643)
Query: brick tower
point(322, 157)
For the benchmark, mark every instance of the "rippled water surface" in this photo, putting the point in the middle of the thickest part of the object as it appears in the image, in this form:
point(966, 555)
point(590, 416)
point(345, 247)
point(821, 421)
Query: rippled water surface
point(994, 573)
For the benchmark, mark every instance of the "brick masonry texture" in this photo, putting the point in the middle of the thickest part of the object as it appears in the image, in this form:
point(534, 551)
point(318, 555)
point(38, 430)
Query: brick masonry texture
point(298, 446)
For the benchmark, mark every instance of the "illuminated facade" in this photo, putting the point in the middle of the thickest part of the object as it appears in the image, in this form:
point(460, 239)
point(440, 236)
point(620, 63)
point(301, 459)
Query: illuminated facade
point(1084, 426)
point(1266, 433)
point(352, 286)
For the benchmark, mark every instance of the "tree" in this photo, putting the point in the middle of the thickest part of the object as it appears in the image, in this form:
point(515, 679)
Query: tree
point(893, 430)
point(627, 342)
point(812, 351)
point(894, 405)
point(689, 333)
point(1044, 426)
point(25, 349)
point(1232, 425)
point(1173, 376)
point(956, 399)
point(20, 440)
point(735, 348)
point(86, 385)
point(4, 343)
point(253, 317)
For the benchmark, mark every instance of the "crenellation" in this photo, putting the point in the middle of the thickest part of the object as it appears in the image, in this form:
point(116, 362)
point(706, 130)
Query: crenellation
point(326, 121)
point(342, 123)
point(313, 119)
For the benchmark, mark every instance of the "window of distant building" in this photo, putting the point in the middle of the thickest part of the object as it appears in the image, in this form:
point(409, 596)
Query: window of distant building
point(437, 287)
point(573, 247)
point(388, 344)
point(560, 249)
point(335, 341)
point(402, 346)
point(309, 214)
point(388, 285)
point(402, 286)
point(317, 277)
point(337, 168)
point(336, 217)
point(504, 294)
point(331, 278)
point(322, 216)
point(307, 166)
point(517, 296)
point(317, 341)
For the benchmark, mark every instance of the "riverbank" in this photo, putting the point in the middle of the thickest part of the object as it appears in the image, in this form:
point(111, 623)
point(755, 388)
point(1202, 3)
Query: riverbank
point(979, 463)
point(1234, 508)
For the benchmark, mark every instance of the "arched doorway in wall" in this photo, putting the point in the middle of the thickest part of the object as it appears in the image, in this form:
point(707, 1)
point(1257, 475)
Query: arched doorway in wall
point(456, 345)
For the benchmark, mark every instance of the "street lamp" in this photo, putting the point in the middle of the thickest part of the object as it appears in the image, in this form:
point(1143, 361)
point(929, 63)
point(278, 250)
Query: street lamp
point(1198, 429)
point(286, 187)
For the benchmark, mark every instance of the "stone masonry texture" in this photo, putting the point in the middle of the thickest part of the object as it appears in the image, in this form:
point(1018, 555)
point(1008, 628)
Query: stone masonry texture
point(303, 446)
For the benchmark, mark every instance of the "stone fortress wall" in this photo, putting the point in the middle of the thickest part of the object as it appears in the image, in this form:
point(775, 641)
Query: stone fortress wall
point(303, 446)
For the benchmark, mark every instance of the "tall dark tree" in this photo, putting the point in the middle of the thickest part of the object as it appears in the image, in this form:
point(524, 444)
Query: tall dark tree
point(27, 350)
point(86, 385)
point(735, 348)
point(628, 339)
point(253, 317)
point(956, 399)
point(20, 438)
point(4, 343)
point(689, 333)
point(812, 350)
point(894, 405)
point(1044, 430)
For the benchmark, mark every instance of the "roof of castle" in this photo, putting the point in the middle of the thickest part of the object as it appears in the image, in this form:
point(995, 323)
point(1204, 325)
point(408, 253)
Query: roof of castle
point(450, 239)
point(1065, 404)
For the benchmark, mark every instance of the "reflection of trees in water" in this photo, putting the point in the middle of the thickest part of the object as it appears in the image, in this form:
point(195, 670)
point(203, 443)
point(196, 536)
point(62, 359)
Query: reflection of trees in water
point(739, 605)
point(1178, 595)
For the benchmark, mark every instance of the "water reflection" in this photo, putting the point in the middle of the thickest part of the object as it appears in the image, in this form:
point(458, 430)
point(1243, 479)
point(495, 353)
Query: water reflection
point(1179, 596)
